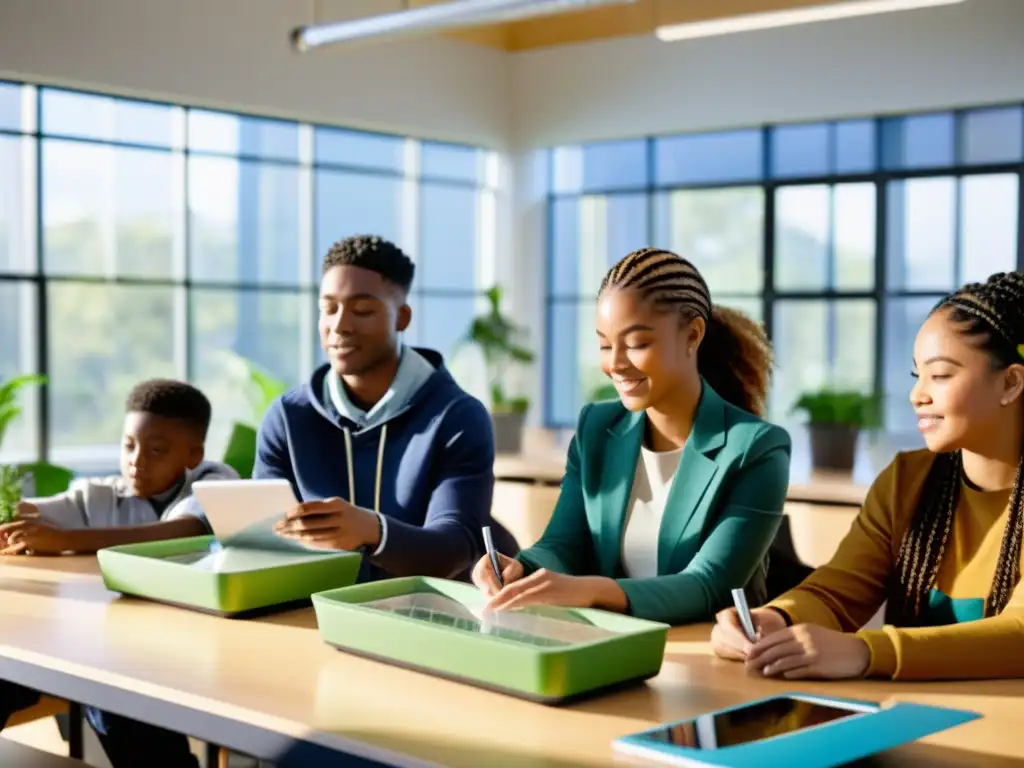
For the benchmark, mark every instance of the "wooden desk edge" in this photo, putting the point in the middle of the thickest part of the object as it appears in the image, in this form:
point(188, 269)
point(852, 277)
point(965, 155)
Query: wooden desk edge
point(295, 745)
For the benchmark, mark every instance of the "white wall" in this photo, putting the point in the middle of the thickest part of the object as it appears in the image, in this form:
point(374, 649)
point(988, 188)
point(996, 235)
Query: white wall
point(235, 54)
point(966, 54)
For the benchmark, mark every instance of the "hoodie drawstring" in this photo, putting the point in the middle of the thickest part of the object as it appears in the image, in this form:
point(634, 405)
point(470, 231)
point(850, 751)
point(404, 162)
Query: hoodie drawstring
point(351, 467)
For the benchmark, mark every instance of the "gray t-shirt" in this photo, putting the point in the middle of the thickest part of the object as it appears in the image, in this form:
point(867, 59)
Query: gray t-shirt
point(105, 502)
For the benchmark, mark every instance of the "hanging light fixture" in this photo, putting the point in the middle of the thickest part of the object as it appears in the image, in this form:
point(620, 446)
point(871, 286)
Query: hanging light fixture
point(749, 22)
point(431, 18)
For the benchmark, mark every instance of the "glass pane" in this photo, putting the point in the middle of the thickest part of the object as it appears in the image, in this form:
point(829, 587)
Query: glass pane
point(821, 344)
point(110, 211)
point(573, 361)
point(10, 106)
point(988, 225)
point(802, 234)
point(245, 222)
point(451, 161)
point(921, 234)
point(800, 150)
point(355, 204)
point(993, 135)
point(752, 307)
point(720, 231)
point(855, 146)
point(264, 327)
point(448, 238)
point(919, 141)
point(442, 322)
point(903, 319)
point(853, 235)
point(590, 235)
point(602, 166)
point(709, 158)
point(363, 150)
point(121, 335)
point(825, 238)
point(240, 135)
point(90, 116)
point(18, 344)
point(17, 204)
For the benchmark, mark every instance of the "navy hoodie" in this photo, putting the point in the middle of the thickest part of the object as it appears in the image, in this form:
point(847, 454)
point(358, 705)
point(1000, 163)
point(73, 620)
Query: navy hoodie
point(434, 457)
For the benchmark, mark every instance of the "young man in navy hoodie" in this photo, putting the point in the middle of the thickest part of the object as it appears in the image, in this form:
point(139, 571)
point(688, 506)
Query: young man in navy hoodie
point(388, 455)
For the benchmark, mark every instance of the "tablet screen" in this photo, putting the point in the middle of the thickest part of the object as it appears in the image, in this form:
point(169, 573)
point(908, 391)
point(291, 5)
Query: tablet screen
point(761, 720)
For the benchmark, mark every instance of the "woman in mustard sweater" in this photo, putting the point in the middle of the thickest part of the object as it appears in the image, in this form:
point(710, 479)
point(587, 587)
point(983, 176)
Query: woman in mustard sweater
point(939, 536)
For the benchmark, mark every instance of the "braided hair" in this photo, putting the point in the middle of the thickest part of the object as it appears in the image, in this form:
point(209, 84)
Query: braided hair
point(992, 313)
point(735, 357)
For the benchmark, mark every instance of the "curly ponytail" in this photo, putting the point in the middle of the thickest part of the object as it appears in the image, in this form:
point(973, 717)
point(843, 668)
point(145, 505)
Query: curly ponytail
point(735, 356)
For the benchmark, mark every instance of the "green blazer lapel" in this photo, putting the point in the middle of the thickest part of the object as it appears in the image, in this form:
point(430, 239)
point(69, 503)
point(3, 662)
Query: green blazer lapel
point(696, 470)
point(622, 451)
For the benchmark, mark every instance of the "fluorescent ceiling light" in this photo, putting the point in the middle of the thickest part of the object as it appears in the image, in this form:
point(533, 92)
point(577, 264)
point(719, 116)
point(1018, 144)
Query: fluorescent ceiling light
point(770, 19)
point(428, 18)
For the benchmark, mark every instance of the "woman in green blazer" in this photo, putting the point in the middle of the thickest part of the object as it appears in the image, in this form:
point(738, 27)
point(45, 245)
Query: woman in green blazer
point(673, 494)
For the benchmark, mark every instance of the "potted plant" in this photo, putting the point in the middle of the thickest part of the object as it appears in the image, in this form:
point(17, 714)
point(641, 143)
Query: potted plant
point(262, 389)
point(835, 419)
point(501, 343)
point(11, 479)
point(38, 478)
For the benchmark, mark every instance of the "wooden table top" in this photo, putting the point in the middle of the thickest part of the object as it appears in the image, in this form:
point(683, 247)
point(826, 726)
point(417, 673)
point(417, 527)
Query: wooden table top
point(276, 673)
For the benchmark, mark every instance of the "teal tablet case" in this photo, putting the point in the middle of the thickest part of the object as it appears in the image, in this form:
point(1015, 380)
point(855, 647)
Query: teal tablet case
point(823, 746)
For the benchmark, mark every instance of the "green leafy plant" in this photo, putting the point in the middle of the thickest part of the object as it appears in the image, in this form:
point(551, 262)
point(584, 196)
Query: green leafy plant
point(48, 479)
point(10, 408)
point(840, 408)
point(261, 390)
point(502, 343)
point(10, 492)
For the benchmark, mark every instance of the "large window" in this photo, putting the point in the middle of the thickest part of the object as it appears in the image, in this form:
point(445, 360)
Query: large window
point(142, 239)
point(838, 236)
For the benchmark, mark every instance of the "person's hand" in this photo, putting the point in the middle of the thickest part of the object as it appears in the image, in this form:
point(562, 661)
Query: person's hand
point(809, 651)
point(30, 536)
point(330, 524)
point(544, 587)
point(729, 641)
point(484, 578)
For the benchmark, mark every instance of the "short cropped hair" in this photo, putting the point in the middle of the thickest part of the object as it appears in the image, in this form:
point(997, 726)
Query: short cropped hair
point(375, 254)
point(172, 399)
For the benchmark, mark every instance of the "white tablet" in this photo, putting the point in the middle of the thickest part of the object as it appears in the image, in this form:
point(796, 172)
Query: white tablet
point(231, 506)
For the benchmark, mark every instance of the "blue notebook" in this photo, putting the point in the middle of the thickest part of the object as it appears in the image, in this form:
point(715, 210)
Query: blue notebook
point(790, 729)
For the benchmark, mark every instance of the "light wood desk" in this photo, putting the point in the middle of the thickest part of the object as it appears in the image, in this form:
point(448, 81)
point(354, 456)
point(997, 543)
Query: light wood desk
point(271, 688)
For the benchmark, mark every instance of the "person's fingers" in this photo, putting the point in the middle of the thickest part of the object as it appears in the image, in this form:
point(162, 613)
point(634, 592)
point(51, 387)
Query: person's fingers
point(532, 596)
point(792, 662)
point(771, 640)
point(723, 644)
point(14, 549)
point(510, 591)
point(512, 571)
point(314, 508)
point(318, 522)
point(484, 578)
point(775, 654)
point(731, 630)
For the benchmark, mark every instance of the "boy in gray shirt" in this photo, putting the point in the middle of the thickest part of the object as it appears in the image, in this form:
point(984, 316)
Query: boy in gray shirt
point(162, 454)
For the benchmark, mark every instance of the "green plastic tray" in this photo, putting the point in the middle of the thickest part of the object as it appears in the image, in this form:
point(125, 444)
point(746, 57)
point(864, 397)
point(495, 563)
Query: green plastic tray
point(260, 583)
point(549, 655)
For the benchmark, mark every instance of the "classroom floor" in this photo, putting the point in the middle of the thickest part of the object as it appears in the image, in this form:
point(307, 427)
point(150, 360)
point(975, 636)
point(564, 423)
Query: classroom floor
point(43, 734)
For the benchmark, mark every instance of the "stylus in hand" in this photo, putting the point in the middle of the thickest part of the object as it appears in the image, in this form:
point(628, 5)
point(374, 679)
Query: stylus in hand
point(739, 597)
point(492, 553)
